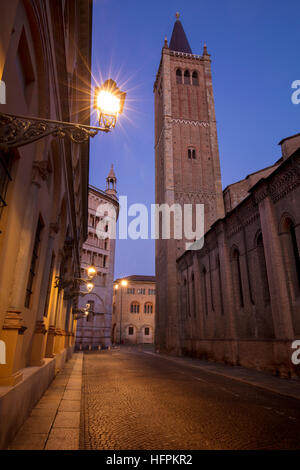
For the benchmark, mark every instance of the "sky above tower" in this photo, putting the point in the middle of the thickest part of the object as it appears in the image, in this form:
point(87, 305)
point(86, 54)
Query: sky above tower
point(255, 58)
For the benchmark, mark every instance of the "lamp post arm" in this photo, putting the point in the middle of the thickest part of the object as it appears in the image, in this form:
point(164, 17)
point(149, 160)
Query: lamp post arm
point(17, 131)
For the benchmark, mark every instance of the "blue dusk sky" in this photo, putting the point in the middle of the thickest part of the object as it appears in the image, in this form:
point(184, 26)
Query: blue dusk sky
point(254, 47)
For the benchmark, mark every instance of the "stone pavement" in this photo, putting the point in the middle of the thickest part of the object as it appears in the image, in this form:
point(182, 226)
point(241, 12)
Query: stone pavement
point(136, 400)
point(54, 423)
point(264, 380)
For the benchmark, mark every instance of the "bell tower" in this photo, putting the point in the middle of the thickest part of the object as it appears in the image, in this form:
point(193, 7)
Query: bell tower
point(111, 183)
point(187, 162)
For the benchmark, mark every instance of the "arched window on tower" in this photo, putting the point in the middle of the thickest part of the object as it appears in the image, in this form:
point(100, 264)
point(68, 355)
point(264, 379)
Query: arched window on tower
point(195, 80)
point(187, 77)
point(178, 76)
point(263, 269)
point(192, 154)
point(237, 277)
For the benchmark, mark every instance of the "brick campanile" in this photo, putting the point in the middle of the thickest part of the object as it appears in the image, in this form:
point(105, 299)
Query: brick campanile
point(187, 165)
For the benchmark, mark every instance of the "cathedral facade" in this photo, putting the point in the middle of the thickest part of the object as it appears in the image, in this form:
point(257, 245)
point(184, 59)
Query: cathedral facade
point(237, 299)
point(94, 331)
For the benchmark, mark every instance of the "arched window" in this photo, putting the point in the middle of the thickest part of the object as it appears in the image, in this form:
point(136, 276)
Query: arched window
point(237, 277)
point(204, 290)
point(192, 154)
point(135, 307)
point(263, 269)
point(220, 285)
point(185, 297)
point(178, 76)
point(148, 307)
point(295, 251)
point(293, 258)
point(195, 80)
point(187, 77)
point(193, 294)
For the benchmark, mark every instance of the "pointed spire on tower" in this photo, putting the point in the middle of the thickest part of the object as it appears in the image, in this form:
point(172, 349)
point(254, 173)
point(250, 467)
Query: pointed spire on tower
point(112, 174)
point(111, 182)
point(179, 40)
point(166, 46)
point(205, 49)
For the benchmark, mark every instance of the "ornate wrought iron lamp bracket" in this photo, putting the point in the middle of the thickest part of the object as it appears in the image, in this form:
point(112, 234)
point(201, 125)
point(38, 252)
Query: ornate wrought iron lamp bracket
point(17, 131)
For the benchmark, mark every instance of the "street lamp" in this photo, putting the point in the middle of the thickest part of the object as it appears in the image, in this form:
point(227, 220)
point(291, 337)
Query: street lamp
point(90, 286)
point(91, 271)
point(124, 283)
point(109, 103)
point(17, 131)
point(72, 284)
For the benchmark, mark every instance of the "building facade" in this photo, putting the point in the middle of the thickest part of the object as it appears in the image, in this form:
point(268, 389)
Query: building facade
point(133, 319)
point(94, 331)
point(236, 300)
point(45, 57)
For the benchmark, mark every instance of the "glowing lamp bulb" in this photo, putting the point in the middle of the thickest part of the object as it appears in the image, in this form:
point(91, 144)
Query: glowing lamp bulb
point(92, 271)
point(108, 103)
point(90, 286)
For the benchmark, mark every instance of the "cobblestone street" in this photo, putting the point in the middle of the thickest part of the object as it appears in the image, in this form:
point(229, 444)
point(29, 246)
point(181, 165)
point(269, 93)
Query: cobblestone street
point(133, 399)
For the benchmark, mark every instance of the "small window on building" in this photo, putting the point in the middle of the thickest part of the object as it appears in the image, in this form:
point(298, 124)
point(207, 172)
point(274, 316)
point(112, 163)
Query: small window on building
point(130, 330)
point(187, 78)
point(135, 307)
point(49, 288)
point(33, 264)
point(147, 331)
point(195, 78)
point(178, 76)
point(191, 154)
point(148, 308)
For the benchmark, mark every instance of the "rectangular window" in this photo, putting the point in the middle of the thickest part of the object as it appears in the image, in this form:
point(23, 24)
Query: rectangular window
point(147, 331)
point(192, 154)
point(141, 291)
point(49, 286)
point(130, 330)
point(33, 264)
point(131, 290)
